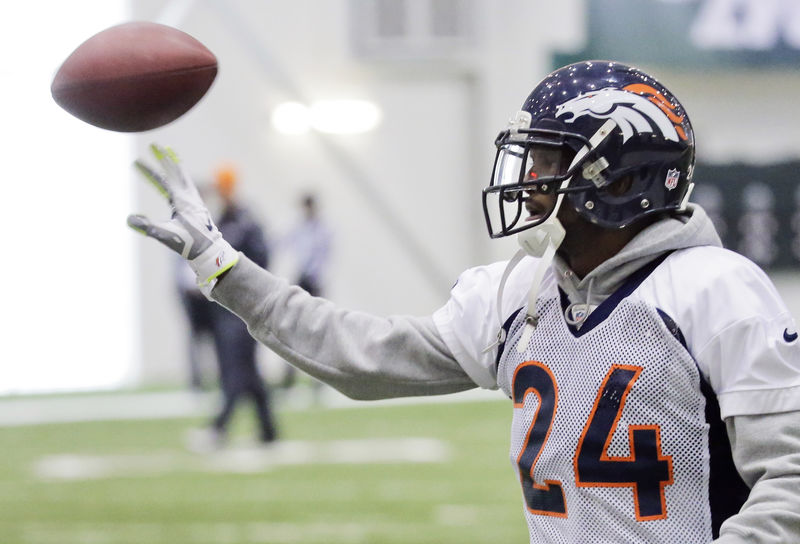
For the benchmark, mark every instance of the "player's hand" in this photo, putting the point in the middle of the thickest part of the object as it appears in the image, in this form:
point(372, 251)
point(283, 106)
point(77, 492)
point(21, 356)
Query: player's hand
point(190, 232)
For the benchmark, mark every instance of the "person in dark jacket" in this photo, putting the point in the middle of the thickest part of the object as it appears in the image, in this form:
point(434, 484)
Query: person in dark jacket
point(235, 347)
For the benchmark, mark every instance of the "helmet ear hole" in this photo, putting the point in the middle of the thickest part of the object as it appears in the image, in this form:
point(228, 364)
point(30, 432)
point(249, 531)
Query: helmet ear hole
point(621, 186)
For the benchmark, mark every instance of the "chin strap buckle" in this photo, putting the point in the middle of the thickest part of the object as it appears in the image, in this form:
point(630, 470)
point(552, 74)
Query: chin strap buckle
point(594, 172)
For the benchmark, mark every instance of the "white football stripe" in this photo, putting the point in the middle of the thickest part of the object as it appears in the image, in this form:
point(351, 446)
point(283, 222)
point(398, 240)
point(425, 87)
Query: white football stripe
point(251, 459)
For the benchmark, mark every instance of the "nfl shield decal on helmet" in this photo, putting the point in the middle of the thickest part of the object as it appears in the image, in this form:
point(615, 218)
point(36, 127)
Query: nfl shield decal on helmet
point(672, 178)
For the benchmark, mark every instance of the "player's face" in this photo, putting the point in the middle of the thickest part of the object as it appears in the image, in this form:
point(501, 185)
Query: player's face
point(524, 183)
point(582, 237)
point(544, 162)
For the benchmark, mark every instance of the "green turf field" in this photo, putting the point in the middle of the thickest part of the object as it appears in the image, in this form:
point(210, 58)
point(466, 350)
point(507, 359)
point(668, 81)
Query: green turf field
point(432, 473)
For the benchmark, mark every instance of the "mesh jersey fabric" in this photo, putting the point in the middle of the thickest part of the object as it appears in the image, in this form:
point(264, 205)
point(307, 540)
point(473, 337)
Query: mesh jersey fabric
point(656, 492)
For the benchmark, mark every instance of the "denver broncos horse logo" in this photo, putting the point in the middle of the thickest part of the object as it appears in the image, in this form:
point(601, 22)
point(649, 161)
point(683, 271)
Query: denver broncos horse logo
point(637, 108)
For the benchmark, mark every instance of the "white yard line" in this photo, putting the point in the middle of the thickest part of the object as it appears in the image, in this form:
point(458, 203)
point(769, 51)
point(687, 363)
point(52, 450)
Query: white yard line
point(244, 459)
point(161, 405)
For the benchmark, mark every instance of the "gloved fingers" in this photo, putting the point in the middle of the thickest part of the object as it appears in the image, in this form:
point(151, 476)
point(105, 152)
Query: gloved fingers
point(157, 180)
point(184, 186)
point(139, 223)
point(160, 232)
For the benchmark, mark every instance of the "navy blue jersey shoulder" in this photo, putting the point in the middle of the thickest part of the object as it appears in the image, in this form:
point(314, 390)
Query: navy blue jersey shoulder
point(506, 328)
point(727, 491)
point(672, 326)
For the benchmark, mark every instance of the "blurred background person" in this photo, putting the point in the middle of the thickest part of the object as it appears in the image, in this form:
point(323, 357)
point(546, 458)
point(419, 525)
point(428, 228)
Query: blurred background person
point(198, 316)
point(309, 242)
point(235, 348)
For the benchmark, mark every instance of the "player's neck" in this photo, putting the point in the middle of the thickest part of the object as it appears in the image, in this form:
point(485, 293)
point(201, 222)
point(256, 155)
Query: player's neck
point(588, 248)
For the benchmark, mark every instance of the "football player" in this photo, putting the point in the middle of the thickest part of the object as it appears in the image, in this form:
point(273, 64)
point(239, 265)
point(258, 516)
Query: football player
point(654, 375)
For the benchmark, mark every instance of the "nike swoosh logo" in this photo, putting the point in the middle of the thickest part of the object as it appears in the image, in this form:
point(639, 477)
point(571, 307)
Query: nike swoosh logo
point(789, 336)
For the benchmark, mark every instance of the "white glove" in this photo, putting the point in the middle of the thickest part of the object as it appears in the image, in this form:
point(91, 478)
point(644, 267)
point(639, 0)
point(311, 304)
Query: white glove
point(190, 232)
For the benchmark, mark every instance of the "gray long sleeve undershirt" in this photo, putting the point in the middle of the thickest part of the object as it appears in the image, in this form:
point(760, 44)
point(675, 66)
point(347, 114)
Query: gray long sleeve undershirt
point(766, 450)
point(363, 356)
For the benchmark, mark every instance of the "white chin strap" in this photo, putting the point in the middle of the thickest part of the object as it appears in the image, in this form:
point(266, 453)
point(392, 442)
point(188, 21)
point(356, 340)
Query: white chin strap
point(541, 241)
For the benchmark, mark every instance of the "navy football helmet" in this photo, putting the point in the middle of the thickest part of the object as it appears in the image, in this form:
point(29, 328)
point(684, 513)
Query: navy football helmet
point(611, 121)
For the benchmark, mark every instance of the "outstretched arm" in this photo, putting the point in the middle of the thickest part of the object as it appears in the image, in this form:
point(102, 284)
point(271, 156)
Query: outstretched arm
point(363, 356)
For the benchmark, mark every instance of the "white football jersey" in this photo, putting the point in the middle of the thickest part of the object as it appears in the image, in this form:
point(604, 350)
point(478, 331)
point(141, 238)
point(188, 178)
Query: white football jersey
point(616, 434)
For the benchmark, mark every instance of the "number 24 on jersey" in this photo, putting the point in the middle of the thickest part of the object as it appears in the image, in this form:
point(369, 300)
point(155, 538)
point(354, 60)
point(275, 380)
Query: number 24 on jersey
point(646, 470)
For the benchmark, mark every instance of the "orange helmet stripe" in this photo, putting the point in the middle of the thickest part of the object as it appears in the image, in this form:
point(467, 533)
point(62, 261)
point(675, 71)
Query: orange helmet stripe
point(660, 100)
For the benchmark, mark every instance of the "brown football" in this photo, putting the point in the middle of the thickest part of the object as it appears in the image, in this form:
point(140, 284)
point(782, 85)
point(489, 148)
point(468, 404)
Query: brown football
point(134, 77)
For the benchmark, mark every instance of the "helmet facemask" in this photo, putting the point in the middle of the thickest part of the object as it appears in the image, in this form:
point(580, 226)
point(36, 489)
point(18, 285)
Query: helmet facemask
point(531, 161)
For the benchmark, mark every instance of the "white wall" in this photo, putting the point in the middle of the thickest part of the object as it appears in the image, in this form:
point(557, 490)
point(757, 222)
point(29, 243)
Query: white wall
point(68, 304)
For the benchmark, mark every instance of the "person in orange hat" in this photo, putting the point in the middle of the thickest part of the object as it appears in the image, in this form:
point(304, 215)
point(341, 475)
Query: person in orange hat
point(235, 348)
point(225, 178)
